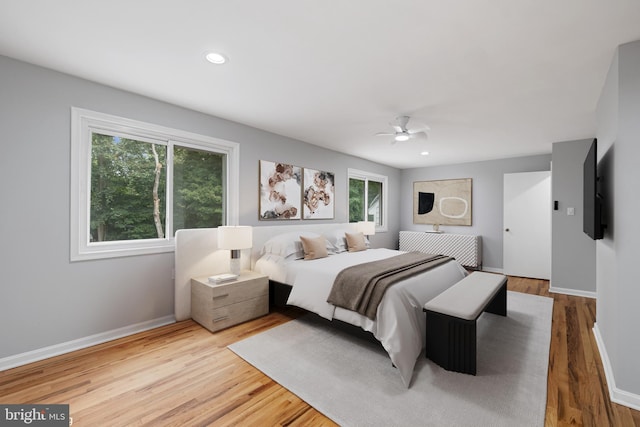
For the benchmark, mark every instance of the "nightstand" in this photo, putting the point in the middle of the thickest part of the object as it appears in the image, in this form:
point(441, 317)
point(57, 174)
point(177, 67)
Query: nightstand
point(218, 306)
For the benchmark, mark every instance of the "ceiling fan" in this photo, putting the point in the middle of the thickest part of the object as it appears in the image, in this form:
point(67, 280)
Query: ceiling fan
point(402, 133)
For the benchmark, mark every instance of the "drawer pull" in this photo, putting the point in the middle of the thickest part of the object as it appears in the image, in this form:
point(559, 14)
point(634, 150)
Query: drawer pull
point(220, 319)
point(220, 296)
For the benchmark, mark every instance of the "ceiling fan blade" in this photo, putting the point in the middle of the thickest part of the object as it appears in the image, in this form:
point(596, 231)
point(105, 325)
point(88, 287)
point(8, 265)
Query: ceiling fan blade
point(401, 131)
point(418, 134)
point(402, 122)
point(423, 129)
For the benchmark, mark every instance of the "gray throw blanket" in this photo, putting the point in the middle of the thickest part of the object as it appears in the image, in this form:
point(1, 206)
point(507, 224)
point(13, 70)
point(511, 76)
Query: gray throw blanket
point(360, 288)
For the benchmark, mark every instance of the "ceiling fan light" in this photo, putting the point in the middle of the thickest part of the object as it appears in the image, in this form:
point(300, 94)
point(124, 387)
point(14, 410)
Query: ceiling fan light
point(216, 58)
point(401, 137)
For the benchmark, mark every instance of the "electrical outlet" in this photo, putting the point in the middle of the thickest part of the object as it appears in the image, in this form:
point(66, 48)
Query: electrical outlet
point(571, 211)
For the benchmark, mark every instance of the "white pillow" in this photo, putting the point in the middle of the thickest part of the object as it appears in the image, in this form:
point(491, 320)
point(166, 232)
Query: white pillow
point(337, 239)
point(287, 245)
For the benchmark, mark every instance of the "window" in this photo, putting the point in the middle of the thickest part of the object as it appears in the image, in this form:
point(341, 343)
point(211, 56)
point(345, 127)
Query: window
point(134, 184)
point(368, 198)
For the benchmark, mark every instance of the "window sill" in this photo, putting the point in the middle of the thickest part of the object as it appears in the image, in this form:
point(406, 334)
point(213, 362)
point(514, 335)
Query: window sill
point(117, 251)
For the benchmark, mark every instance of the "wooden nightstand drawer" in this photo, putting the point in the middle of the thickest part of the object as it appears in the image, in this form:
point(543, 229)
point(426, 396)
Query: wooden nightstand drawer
point(235, 292)
point(217, 306)
point(233, 314)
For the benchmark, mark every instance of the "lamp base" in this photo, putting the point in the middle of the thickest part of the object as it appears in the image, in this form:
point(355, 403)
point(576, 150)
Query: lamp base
point(234, 263)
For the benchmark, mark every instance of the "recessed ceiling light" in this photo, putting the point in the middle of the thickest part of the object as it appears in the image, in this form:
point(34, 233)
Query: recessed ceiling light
point(216, 58)
point(424, 153)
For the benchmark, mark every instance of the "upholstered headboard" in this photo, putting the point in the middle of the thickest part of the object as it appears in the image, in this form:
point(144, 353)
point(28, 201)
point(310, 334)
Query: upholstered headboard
point(197, 254)
point(262, 234)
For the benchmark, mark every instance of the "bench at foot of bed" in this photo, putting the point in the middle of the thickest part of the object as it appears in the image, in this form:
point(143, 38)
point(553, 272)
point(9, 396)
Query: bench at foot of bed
point(452, 315)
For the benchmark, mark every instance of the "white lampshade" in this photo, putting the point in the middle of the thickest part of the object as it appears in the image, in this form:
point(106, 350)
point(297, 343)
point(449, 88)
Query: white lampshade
point(235, 237)
point(368, 228)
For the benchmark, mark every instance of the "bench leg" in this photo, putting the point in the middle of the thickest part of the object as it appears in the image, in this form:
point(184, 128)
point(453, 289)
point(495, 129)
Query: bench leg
point(498, 305)
point(451, 342)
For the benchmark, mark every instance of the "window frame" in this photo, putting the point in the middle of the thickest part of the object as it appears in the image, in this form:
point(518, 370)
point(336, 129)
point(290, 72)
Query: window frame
point(83, 123)
point(366, 177)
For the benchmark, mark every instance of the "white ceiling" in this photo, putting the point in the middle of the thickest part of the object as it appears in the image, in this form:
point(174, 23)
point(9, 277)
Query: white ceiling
point(492, 78)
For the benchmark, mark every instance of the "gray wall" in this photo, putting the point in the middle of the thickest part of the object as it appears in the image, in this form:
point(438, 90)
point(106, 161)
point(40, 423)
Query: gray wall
point(487, 198)
point(573, 268)
point(46, 299)
point(617, 286)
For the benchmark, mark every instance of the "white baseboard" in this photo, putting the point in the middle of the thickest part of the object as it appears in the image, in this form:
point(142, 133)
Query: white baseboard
point(615, 394)
point(573, 292)
point(492, 270)
point(80, 343)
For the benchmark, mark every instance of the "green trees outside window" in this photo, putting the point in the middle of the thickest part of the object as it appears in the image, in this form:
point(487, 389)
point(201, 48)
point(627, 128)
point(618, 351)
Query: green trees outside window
point(198, 188)
point(365, 200)
point(356, 200)
point(129, 188)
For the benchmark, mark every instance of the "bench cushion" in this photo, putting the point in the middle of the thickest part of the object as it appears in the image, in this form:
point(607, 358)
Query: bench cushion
point(467, 298)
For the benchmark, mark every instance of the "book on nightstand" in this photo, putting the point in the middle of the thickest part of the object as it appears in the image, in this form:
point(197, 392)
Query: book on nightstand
point(222, 278)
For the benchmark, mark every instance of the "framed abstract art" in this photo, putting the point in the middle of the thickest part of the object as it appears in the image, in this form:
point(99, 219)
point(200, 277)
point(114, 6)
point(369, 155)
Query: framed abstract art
point(443, 202)
point(280, 191)
point(318, 194)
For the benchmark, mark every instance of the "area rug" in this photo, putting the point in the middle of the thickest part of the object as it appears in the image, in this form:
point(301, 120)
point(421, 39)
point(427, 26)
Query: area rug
point(352, 381)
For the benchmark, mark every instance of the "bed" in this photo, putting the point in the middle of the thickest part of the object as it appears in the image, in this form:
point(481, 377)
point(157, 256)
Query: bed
point(399, 323)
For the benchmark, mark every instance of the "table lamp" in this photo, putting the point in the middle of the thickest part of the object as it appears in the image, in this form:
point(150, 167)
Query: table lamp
point(235, 238)
point(368, 228)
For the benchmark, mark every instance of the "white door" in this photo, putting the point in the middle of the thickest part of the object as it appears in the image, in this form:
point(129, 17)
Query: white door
point(527, 224)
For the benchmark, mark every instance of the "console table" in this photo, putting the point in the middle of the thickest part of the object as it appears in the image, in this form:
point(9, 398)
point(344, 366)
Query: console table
point(466, 249)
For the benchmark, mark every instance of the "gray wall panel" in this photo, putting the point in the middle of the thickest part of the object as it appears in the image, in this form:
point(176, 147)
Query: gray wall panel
point(487, 198)
point(47, 300)
point(617, 287)
point(573, 253)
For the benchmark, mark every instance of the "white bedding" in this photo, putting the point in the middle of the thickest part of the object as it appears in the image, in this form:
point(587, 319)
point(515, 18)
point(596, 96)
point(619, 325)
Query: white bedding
point(400, 321)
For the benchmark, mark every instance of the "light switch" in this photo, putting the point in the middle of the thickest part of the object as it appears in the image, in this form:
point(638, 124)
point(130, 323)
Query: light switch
point(571, 211)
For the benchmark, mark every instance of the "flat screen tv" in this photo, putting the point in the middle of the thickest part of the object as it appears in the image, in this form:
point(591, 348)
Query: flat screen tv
point(592, 199)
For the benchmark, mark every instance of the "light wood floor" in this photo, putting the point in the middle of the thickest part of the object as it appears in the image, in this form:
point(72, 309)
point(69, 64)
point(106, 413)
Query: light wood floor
point(182, 375)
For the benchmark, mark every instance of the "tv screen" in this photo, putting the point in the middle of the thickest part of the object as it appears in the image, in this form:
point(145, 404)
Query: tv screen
point(592, 209)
